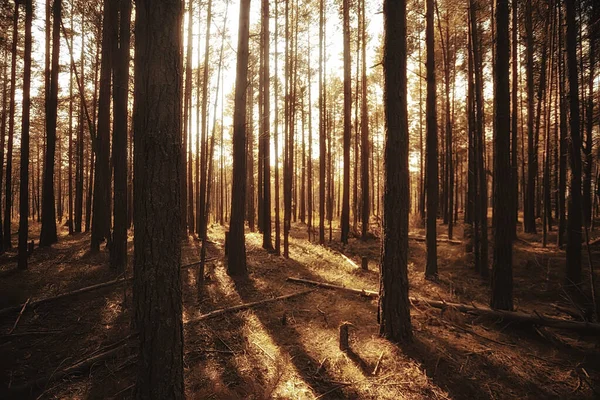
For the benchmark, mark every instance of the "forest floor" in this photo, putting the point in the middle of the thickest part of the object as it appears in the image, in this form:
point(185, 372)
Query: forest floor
point(289, 349)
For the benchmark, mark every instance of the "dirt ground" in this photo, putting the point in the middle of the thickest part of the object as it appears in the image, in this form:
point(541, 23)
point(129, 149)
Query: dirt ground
point(289, 349)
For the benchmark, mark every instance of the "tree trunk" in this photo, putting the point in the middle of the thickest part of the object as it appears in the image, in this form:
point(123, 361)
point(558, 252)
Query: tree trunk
point(236, 262)
point(503, 213)
point(157, 220)
point(574, 220)
point(78, 217)
point(187, 122)
point(48, 234)
point(276, 139)
point(345, 219)
point(265, 137)
point(365, 132)
point(25, 121)
point(101, 200)
point(587, 150)
point(393, 312)
point(431, 148)
point(201, 221)
point(529, 208)
point(514, 107)
point(322, 134)
point(118, 249)
point(11, 129)
point(250, 212)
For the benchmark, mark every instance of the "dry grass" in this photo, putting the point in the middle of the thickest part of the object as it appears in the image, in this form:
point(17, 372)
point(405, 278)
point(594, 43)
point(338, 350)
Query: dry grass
point(289, 349)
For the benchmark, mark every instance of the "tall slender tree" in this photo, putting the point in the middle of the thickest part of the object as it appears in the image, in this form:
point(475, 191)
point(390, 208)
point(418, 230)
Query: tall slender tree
point(48, 233)
point(365, 151)
point(394, 308)
point(118, 248)
point(575, 217)
point(529, 208)
point(503, 213)
point(345, 219)
point(11, 129)
point(101, 199)
point(200, 219)
point(322, 115)
point(236, 262)
point(25, 122)
point(265, 136)
point(431, 147)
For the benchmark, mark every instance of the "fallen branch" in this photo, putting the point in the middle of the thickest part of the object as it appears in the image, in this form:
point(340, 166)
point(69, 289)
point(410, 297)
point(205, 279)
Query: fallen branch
point(362, 292)
point(439, 240)
point(81, 366)
point(349, 260)
point(36, 303)
point(86, 289)
point(582, 327)
point(246, 306)
point(19, 317)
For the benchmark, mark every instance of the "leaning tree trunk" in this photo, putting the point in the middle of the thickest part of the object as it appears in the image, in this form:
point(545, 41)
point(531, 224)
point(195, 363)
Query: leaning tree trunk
point(48, 234)
point(236, 261)
point(157, 191)
point(393, 313)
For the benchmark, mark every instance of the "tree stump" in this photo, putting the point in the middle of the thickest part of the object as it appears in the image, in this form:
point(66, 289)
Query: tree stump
point(365, 264)
point(344, 344)
point(30, 248)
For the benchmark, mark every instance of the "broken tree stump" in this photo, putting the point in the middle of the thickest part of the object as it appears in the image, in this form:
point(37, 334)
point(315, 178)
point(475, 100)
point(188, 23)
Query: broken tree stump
point(365, 264)
point(344, 331)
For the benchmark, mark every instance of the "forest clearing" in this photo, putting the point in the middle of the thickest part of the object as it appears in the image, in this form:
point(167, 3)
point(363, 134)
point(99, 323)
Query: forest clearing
point(290, 349)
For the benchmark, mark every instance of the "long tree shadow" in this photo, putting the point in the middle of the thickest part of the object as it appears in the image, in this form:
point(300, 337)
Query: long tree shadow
point(288, 338)
point(215, 350)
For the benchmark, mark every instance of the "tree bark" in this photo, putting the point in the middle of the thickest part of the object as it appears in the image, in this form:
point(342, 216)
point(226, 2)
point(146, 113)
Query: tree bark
point(236, 261)
point(265, 138)
point(157, 192)
point(118, 249)
point(431, 269)
point(322, 134)
point(503, 213)
point(365, 151)
point(48, 234)
point(345, 218)
point(101, 143)
point(529, 208)
point(394, 308)
point(575, 204)
point(11, 129)
point(201, 221)
point(25, 122)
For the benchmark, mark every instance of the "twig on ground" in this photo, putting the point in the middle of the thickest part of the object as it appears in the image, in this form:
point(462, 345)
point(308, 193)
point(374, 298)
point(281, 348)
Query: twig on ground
point(19, 317)
point(378, 364)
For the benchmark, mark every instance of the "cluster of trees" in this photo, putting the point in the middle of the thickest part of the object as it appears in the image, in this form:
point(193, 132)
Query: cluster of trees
point(477, 149)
